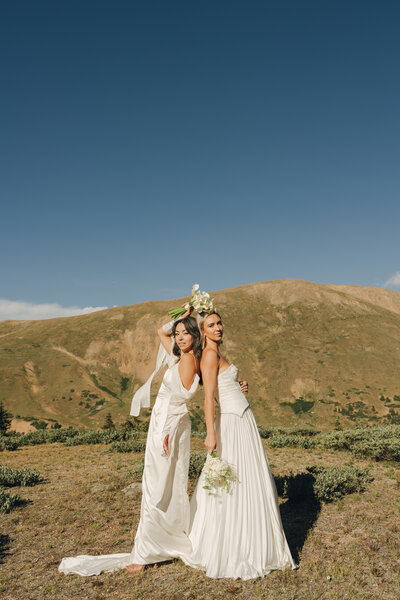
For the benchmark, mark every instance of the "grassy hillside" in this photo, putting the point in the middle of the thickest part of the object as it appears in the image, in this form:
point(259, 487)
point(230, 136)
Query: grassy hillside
point(310, 352)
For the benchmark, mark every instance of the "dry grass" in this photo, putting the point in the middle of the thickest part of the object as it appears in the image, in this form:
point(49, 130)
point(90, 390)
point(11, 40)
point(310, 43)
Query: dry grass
point(346, 550)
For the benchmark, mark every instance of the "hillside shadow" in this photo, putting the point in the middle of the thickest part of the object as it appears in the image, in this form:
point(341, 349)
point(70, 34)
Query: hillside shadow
point(4, 546)
point(300, 511)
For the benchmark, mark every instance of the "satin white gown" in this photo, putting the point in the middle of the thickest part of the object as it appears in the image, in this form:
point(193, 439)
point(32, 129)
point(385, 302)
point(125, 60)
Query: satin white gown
point(163, 529)
point(238, 534)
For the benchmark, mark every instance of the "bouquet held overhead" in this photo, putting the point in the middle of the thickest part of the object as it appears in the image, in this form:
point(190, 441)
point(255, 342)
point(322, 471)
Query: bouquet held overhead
point(200, 301)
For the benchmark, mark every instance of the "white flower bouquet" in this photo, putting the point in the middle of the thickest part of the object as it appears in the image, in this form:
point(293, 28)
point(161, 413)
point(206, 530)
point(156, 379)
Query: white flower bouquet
point(201, 302)
point(218, 474)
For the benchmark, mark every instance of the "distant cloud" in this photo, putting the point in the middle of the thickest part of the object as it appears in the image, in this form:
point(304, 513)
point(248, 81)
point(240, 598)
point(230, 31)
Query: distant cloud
point(394, 280)
point(10, 309)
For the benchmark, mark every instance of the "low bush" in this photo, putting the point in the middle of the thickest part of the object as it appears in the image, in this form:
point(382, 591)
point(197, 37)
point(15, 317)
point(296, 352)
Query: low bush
point(279, 440)
point(323, 484)
point(8, 501)
point(264, 432)
point(380, 442)
point(128, 446)
point(197, 460)
point(332, 483)
point(67, 435)
point(99, 437)
point(8, 443)
point(267, 432)
point(12, 477)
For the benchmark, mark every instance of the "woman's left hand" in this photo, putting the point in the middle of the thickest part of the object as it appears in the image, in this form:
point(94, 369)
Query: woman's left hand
point(165, 444)
point(188, 310)
point(245, 386)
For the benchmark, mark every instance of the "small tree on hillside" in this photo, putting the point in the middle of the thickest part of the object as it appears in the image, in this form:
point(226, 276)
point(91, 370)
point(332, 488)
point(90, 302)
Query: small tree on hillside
point(129, 424)
point(5, 419)
point(108, 423)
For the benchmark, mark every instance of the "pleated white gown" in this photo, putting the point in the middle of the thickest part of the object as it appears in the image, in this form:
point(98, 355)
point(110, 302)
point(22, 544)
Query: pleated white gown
point(163, 529)
point(238, 534)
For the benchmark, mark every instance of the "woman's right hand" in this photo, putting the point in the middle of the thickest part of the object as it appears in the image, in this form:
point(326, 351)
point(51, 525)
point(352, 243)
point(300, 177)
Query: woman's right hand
point(211, 442)
point(165, 444)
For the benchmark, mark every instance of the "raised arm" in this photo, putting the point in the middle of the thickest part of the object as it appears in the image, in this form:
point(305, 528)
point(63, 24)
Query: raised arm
point(209, 370)
point(164, 333)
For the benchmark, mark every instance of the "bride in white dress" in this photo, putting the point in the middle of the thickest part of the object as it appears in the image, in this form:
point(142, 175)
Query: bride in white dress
point(163, 529)
point(237, 534)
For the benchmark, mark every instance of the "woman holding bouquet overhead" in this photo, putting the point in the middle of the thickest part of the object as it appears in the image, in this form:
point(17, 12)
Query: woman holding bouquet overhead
point(236, 533)
point(163, 528)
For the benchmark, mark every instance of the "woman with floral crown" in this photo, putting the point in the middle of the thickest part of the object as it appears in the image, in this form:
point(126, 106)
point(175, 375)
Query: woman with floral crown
point(236, 533)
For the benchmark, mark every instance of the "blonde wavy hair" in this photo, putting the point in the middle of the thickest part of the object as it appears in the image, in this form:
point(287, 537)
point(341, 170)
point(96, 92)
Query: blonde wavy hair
point(201, 317)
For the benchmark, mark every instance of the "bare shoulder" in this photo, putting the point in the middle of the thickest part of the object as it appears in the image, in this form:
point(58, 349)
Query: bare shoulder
point(209, 358)
point(186, 357)
point(187, 362)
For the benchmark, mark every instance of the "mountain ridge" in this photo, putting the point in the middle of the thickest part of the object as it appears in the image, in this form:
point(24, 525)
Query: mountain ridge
point(311, 352)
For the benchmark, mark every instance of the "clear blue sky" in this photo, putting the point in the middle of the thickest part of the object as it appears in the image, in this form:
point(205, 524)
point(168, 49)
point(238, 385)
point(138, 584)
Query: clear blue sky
point(147, 146)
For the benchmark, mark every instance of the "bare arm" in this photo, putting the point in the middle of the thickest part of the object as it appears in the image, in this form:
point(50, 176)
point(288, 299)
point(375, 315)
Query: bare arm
point(164, 333)
point(209, 369)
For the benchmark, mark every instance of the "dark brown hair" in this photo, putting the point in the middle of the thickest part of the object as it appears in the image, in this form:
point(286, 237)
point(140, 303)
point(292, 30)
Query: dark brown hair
point(191, 327)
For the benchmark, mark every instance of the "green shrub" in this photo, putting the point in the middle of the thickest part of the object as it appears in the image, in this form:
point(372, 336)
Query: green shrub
point(13, 440)
point(267, 432)
point(128, 446)
point(8, 444)
point(264, 432)
point(322, 484)
point(39, 424)
point(332, 483)
point(8, 501)
point(197, 460)
point(305, 431)
point(25, 477)
point(279, 440)
point(380, 442)
point(388, 449)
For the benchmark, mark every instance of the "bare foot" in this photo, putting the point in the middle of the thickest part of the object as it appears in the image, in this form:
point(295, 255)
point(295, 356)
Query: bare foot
point(134, 568)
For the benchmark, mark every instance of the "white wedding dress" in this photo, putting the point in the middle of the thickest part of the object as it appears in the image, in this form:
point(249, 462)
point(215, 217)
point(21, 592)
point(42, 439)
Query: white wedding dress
point(163, 529)
point(238, 534)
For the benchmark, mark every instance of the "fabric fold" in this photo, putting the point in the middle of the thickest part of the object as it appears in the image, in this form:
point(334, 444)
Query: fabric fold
point(141, 398)
point(177, 414)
